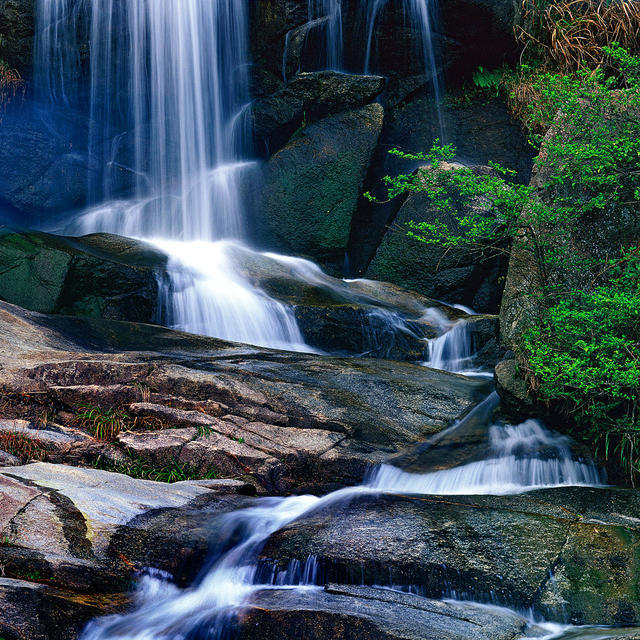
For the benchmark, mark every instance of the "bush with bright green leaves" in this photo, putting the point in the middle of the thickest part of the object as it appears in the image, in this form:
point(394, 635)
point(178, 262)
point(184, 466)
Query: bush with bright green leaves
point(582, 357)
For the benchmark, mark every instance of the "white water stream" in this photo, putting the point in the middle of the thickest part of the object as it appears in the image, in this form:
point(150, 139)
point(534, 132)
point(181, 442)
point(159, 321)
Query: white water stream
point(522, 458)
point(168, 91)
point(328, 15)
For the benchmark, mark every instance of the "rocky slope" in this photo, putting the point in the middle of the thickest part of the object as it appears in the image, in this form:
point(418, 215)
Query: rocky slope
point(288, 420)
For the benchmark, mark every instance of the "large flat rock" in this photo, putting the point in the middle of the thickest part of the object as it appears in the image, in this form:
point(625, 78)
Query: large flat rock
point(88, 529)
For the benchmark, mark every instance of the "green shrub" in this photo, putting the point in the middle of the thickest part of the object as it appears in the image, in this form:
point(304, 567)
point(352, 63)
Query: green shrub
point(584, 359)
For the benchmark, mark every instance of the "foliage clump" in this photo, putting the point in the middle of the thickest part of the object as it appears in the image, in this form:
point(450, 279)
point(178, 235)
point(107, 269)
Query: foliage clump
point(170, 472)
point(579, 220)
point(21, 446)
point(584, 358)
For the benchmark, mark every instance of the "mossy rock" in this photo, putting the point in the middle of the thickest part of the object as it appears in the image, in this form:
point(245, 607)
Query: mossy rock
point(311, 186)
point(97, 276)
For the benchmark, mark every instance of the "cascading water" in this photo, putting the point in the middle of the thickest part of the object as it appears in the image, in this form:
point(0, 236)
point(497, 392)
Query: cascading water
point(238, 312)
point(57, 68)
point(419, 14)
point(328, 15)
point(454, 349)
point(168, 91)
point(523, 458)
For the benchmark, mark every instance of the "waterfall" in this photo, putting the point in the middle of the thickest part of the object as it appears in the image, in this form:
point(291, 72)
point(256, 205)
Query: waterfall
point(168, 92)
point(328, 13)
point(56, 67)
point(522, 458)
point(168, 80)
point(419, 14)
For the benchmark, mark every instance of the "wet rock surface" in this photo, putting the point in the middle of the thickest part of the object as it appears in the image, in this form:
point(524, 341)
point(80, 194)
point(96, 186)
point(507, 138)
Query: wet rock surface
point(39, 612)
point(274, 421)
point(351, 317)
point(524, 550)
point(108, 276)
point(341, 611)
point(43, 165)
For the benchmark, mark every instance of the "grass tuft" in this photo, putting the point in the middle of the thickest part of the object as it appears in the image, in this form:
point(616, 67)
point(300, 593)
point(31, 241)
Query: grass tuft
point(569, 35)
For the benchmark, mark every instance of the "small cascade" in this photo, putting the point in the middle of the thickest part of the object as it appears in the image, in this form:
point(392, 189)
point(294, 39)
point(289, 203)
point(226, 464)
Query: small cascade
point(383, 330)
point(209, 607)
point(522, 458)
point(327, 15)
point(453, 350)
point(420, 15)
point(194, 301)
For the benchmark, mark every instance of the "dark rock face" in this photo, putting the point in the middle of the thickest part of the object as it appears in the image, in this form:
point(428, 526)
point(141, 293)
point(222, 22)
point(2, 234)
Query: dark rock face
point(479, 33)
point(357, 330)
point(452, 275)
point(342, 612)
point(17, 28)
point(44, 165)
point(311, 186)
point(38, 612)
point(99, 276)
point(306, 99)
point(513, 388)
point(486, 545)
point(270, 21)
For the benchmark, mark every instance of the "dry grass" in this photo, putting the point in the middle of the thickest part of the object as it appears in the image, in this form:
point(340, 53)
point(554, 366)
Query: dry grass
point(11, 85)
point(571, 34)
point(21, 446)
